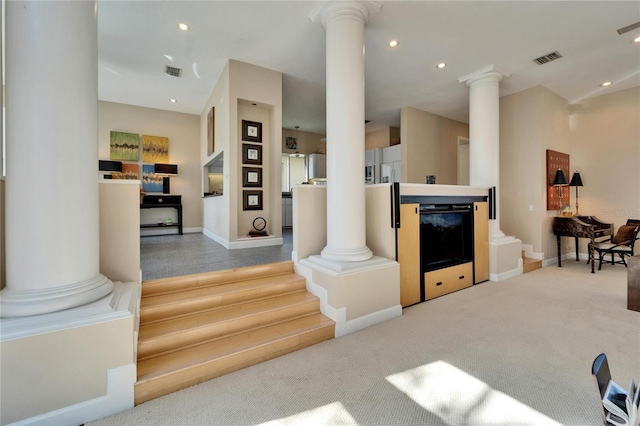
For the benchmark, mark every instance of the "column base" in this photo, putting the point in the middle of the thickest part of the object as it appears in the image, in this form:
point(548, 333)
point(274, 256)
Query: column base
point(359, 254)
point(355, 295)
point(23, 303)
point(505, 258)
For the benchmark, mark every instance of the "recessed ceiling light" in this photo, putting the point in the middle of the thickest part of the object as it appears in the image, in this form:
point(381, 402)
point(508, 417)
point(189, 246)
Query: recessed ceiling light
point(606, 83)
point(636, 40)
point(441, 65)
point(393, 43)
point(174, 101)
point(183, 26)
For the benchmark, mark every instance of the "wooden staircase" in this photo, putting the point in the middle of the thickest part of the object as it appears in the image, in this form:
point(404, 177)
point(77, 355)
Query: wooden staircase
point(194, 328)
point(529, 264)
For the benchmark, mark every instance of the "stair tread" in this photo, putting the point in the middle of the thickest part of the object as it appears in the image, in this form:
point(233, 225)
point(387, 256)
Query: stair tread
point(202, 319)
point(213, 278)
point(165, 364)
point(173, 298)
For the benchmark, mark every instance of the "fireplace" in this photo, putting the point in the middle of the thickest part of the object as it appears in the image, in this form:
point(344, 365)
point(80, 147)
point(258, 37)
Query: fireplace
point(446, 235)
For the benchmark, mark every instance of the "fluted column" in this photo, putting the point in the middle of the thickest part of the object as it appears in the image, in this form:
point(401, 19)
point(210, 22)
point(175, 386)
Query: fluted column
point(52, 216)
point(484, 134)
point(344, 22)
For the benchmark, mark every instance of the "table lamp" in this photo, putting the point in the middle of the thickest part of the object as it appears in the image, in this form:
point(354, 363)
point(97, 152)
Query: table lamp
point(576, 181)
point(559, 181)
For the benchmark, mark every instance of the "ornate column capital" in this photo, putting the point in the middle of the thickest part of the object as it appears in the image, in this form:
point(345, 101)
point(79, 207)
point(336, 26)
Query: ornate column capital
point(489, 74)
point(334, 10)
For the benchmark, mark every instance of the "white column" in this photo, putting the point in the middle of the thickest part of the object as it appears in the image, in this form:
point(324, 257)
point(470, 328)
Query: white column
point(484, 134)
point(346, 228)
point(52, 217)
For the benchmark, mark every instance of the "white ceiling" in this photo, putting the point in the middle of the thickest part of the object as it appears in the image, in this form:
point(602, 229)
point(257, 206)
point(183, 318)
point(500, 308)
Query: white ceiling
point(138, 38)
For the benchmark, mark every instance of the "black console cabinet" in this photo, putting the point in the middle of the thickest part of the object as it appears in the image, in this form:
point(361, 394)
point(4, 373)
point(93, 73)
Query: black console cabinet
point(163, 201)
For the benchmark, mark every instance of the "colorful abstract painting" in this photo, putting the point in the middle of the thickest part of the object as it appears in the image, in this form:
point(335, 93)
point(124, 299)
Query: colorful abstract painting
point(150, 181)
point(129, 171)
point(155, 149)
point(124, 146)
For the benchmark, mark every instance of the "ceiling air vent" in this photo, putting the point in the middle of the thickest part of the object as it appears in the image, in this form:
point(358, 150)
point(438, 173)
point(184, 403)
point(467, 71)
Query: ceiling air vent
point(547, 58)
point(172, 71)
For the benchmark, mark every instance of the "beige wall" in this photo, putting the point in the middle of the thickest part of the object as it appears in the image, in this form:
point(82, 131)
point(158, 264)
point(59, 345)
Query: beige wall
point(3, 267)
point(381, 138)
point(183, 133)
point(50, 371)
point(243, 92)
point(215, 220)
point(602, 137)
point(531, 122)
point(605, 149)
point(120, 230)
point(429, 146)
point(308, 142)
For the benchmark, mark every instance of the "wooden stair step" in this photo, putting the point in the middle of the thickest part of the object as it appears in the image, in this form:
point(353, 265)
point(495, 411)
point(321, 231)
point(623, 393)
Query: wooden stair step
point(161, 307)
point(187, 282)
point(177, 370)
point(160, 337)
point(529, 265)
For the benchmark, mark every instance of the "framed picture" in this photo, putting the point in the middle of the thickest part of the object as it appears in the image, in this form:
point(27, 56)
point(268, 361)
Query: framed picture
point(155, 149)
point(211, 134)
point(557, 161)
point(291, 142)
point(124, 146)
point(251, 154)
point(252, 200)
point(252, 177)
point(251, 131)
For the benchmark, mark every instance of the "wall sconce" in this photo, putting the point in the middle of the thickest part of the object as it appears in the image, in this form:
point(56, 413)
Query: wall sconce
point(165, 169)
point(559, 181)
point(576, 181)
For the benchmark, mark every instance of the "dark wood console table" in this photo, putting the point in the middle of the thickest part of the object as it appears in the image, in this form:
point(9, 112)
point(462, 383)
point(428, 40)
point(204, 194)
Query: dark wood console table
point(580, 227)
point(163, 201)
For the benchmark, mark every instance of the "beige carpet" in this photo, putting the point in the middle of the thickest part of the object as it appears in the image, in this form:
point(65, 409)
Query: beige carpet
point(518, 352)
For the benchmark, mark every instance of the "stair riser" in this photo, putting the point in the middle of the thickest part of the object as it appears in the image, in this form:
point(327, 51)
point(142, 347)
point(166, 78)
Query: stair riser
point(187, 282)
point(171, 382)
point(206, 332)
point(170, 310)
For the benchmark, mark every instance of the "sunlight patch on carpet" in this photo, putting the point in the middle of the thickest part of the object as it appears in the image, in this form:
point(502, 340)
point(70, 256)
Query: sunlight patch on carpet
point(330, 414)
point(459, 398)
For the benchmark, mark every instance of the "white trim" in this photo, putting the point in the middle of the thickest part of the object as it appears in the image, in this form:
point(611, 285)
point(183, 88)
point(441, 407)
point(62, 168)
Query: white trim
point(119, 397)
point(529, 253)
point(243, 243)
point(224, 243)
point(347, 327)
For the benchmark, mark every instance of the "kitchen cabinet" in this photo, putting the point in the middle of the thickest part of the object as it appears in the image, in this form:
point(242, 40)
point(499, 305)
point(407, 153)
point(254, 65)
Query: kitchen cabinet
point(287, 212)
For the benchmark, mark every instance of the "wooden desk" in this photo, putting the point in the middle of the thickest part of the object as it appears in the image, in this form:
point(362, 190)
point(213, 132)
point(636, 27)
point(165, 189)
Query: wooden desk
point(161, 202)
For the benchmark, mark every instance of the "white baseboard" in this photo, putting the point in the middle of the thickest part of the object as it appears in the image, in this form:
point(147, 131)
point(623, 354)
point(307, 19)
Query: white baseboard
point(224, 243)
point(254, 242)
point(347, 327)
point(119, 397)
point(528, 252)
point(243, 243)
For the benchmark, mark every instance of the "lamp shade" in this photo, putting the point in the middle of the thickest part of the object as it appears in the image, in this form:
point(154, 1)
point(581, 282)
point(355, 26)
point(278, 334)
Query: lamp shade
point(576, 180)
point(110, 166)
point(166, 169)
point(560, 178)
